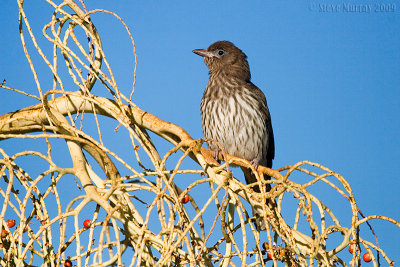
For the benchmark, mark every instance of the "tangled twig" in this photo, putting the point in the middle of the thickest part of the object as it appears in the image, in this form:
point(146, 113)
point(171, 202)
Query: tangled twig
point(134, 208)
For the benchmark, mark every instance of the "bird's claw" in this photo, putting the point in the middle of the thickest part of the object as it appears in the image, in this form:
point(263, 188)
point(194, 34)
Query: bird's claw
point(255, 163)
point(216, 153)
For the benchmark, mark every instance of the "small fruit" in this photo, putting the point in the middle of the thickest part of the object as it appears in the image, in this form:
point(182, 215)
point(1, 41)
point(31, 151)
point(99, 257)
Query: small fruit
point(87, 223)
point(352, 247)
point(4, 233)
point(67, 263)
point(185, 199)
point(282, 253)
point(10, 223)
point(367, 257)
point(269, 256)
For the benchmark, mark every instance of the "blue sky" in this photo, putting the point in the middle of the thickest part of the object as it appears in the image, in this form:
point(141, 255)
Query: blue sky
point(331, 78)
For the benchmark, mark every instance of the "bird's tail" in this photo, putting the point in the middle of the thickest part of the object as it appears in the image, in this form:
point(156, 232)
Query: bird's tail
point(251, 178)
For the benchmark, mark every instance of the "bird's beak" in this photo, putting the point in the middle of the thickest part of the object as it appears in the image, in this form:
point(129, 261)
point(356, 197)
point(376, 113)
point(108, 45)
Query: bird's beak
point(203, 53)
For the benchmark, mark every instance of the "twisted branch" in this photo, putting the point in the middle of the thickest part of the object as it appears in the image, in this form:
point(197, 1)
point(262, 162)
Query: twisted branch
point(137, 207)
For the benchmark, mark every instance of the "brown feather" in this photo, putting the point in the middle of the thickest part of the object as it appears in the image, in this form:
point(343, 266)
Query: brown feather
point(234, 111)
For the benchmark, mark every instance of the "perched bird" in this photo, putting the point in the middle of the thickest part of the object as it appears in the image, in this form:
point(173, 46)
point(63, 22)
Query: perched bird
point(234, 111)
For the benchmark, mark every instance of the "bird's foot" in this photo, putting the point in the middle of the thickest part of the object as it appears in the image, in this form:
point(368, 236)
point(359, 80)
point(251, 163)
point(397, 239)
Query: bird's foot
point(255, 163)
point(216, 153)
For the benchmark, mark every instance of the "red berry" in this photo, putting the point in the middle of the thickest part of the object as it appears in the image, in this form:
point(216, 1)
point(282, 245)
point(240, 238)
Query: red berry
point(269, 256)
point(367, 257)
point(185, 199)
point(10, 223)
point(4, 233)
point(352, 247)
point(87, 223)
point(67, 263)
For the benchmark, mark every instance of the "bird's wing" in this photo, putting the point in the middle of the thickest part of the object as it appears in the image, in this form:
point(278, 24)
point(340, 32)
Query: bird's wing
point(267, 118)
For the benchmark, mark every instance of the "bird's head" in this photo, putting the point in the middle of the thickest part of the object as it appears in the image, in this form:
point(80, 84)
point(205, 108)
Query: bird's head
point(225, 58)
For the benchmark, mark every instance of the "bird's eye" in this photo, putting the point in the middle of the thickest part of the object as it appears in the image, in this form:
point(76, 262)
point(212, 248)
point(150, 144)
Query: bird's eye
point(221, 52)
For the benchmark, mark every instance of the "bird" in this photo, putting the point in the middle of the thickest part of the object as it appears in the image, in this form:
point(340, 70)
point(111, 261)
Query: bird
point(234, 111)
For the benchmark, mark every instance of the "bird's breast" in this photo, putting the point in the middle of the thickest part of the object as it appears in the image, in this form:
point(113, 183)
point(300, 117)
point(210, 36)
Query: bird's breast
point(232, 117)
